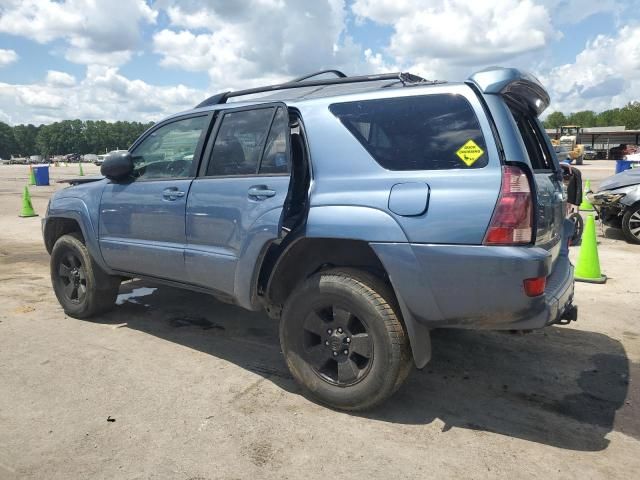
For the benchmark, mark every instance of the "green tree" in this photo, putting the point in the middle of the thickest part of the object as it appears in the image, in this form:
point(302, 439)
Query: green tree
point(608, 118)
point(76, 136)
point(7, 141)
point(25, 137)
point(630, 115)
point(555, 120)
point(43, 140)
point(586, 118)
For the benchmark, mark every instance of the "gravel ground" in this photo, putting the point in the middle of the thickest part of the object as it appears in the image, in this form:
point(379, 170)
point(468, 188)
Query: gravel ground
point(174, 384)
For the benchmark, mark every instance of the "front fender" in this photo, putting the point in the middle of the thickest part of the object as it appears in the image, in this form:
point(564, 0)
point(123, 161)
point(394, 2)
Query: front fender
point(76, 209)
point(631, 198)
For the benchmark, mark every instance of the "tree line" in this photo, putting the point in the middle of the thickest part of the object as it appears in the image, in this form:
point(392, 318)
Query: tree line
point(68, 136)
point(629, 116)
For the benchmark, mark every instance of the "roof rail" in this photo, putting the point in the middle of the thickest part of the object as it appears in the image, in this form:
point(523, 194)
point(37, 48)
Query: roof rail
point(337, 73)
point(302, 82)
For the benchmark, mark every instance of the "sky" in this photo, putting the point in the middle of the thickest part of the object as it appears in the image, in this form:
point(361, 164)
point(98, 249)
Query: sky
point(142, 60)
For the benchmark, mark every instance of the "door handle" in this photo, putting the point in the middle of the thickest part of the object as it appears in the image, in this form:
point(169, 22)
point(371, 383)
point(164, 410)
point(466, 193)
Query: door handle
point(261, 192)
point(172, 193)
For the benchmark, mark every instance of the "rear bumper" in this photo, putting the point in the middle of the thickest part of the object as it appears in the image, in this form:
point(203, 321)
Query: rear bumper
point(559, 291)
point(478, 287)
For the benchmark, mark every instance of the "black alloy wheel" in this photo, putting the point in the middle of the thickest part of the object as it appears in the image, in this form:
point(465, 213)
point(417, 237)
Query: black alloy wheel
point(81, 286)
point(343, 339)
point(73, 276)
point(337, 345)
point(631, 223)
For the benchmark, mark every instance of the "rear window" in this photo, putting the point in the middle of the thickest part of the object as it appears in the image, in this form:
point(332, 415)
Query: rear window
point(429, 132)
point(534, 141)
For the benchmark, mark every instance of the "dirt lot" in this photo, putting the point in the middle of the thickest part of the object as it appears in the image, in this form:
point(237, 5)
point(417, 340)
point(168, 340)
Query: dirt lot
point(173, 384)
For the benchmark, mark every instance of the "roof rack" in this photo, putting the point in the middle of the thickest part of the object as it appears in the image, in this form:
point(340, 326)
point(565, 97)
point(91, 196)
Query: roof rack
point(337, 73)
point(405, 78)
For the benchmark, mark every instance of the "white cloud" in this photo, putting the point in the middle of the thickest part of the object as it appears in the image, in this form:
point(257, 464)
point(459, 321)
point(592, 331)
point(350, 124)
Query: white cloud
point(33, 96)
point(605, 74)
point(574, 11)
point(244, 43)
point(60, 79)
point(103, 94)
point(95, 31)
point(462, 32)
point(7, 57)
point(192, 20)
point(251, 42)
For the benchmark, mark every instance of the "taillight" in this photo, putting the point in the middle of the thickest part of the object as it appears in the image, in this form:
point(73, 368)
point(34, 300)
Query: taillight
point(534, 287)
point(512, 220)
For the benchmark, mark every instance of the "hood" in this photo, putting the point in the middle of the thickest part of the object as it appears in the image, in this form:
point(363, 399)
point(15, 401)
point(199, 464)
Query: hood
point(80, 180)
point(622, 179)
point(85, 190)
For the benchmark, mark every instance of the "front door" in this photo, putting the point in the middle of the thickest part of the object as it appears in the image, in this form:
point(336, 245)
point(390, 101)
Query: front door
point(234, 208)
point(142, 221)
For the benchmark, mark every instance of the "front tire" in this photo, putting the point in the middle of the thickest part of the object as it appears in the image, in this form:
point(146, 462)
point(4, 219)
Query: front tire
point(631, 224)
point(81, 286)
point(343, 339)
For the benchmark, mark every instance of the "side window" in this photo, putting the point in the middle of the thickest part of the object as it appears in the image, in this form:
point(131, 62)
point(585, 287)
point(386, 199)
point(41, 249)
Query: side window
point(239, 143)
point(539, 155)
point(275, 158)
point(427, 132)
point(168, 152)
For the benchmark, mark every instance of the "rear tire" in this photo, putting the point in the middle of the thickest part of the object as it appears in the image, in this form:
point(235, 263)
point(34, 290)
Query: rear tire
point(343, 339)
point(631, 224)
point(81, 286)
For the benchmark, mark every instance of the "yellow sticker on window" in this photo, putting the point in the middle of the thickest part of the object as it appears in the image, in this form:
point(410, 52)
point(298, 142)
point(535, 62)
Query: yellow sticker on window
point(469, 153)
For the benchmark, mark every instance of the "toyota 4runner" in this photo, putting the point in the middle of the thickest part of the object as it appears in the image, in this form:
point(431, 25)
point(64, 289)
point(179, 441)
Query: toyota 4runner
point(362, 212)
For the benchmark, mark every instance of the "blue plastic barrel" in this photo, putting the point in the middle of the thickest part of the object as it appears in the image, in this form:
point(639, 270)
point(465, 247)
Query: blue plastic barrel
point(41, 172)
point(622, 165)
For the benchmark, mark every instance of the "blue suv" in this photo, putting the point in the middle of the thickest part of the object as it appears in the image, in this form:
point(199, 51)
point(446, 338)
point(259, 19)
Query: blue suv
point(361, 212)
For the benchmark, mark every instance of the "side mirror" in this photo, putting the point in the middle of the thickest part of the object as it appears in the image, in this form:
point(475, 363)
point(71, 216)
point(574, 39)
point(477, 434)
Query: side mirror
point(117, 166)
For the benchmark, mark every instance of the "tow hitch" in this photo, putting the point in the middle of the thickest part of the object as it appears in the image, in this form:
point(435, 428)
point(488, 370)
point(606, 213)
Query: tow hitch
point(569, 315)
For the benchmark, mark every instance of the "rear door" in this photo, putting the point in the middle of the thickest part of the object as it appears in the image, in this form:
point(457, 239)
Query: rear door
point(549, 192)
point(244, 177)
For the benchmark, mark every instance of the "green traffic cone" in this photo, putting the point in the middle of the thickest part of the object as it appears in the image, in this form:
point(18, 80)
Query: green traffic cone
point(27, 208)
point(586, 206)
point(81, 172)
point(32, 176)
point(588, 264)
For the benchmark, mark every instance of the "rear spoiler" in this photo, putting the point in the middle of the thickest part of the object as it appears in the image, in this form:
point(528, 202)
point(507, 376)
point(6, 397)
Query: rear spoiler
point(517, 85)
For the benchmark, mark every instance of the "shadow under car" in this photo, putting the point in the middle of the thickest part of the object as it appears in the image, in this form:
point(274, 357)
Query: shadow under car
point(559, 386)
